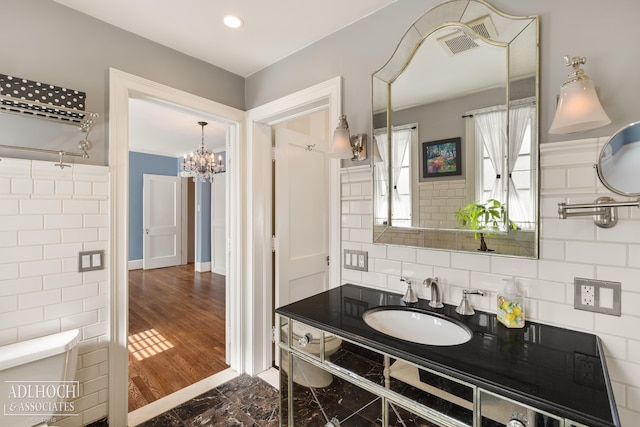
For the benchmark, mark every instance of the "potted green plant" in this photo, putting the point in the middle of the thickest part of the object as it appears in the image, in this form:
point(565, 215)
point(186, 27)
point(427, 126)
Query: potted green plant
point(490, 215)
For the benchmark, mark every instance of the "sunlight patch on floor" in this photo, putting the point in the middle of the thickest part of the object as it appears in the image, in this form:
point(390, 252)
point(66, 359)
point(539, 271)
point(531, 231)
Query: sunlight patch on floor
point(147, 343)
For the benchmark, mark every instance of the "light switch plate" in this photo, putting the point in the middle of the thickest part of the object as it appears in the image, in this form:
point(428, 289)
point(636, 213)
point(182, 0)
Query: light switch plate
point(90, 261)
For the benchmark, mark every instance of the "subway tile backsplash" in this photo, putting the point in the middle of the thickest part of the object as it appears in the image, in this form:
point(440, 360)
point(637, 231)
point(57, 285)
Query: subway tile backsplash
point(47, 216)
point(569, 248)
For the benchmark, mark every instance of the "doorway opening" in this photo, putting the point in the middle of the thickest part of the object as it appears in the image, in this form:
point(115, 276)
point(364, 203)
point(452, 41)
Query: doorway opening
point(123, 88)
point(300, 209)
point(176, 333)
point(261, 124)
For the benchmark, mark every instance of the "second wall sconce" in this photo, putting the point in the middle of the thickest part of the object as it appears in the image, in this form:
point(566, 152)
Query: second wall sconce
point(579, 108)
point(345, 146)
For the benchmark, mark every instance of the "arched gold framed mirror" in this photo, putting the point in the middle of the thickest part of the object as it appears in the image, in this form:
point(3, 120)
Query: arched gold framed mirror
point(455, 118)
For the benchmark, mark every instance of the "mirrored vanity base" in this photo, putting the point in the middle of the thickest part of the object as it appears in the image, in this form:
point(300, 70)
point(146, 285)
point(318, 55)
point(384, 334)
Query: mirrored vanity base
point(535, 376)
point(350, 399)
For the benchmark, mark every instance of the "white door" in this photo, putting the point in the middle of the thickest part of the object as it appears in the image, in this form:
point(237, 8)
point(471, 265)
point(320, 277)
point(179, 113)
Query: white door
point(302, 216)
point(161, 221)
point(218, 221)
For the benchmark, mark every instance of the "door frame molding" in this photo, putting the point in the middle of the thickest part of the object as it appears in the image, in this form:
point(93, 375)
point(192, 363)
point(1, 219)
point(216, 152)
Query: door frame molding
point(123, 86)
point(325, 95)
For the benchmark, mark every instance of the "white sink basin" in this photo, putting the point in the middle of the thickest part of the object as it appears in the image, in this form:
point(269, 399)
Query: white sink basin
point(417, 326)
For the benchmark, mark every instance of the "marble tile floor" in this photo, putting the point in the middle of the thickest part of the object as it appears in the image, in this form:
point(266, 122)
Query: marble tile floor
point(252, 401)
point(242, 401)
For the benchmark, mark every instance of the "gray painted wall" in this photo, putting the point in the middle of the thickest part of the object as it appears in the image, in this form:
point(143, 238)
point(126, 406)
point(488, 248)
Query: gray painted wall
point(50, 43)
point(605, 34)
point(442, 120)
point(47, 42)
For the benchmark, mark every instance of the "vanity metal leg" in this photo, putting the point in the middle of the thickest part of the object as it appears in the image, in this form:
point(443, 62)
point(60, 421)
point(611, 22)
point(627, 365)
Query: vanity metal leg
point(387, 372)
point(290, 387)
point(385, 412)
point(477, 415)
point(290, 373)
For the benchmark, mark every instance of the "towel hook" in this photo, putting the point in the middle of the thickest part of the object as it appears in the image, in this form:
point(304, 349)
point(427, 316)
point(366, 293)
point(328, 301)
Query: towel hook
point(62, 165)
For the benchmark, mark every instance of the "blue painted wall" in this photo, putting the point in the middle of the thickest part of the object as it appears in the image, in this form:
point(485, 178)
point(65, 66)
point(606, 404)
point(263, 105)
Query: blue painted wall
point(142, 163)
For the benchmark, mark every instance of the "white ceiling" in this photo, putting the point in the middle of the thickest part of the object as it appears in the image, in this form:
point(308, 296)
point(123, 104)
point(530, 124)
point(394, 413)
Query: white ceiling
point(272, 31)
point(169, 130)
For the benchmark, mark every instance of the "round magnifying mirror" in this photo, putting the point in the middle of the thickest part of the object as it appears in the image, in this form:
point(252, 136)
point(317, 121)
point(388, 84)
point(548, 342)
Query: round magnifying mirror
point(619, 162)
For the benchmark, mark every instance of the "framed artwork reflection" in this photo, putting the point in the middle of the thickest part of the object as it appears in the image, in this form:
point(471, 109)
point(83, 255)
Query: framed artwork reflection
point(441, 158)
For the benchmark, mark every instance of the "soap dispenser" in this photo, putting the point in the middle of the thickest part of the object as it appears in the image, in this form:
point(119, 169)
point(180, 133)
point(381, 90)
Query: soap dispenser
point(510, 308)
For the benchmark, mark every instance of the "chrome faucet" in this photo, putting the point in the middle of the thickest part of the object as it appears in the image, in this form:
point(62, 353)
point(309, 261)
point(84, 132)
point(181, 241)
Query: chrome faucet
point(410, 296)
point(465, 307)
point(436, 297)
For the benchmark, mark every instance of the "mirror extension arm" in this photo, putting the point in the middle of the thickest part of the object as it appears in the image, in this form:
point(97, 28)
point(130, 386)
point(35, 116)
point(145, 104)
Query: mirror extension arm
point(604, 210)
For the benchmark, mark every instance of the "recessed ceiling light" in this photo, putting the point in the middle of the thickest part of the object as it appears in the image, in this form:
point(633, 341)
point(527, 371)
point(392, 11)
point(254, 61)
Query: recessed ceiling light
point(233, 21)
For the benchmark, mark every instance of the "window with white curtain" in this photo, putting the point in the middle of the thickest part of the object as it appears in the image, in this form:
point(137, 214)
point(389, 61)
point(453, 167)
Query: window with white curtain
point(404, 138)
point(520, 179)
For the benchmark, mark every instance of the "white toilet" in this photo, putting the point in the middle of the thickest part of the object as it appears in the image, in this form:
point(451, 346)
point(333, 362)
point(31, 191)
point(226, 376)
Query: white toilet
point(36, 377)
point(304, 373)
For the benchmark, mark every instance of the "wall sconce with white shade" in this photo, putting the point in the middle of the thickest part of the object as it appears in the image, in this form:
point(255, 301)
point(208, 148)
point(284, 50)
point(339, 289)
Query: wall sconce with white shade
point(345, 146)
point(578, 107)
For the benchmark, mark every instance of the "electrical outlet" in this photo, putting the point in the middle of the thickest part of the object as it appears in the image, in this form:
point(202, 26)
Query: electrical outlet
point(356, 260)
point(599, 296)
point(587, 296)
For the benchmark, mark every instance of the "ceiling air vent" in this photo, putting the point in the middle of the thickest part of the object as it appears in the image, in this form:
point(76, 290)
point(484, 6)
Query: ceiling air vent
point(460, 41)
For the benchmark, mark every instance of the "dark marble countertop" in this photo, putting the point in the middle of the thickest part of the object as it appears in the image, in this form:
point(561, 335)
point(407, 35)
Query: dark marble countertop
point(557, 370)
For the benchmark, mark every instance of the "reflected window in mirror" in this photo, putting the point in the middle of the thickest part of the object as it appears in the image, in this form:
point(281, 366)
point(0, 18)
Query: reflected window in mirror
point(522, 173)
point(515, 189)
point(404, 145)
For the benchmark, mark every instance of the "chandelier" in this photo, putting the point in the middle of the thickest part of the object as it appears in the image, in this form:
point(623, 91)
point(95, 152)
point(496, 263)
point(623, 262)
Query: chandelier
point(201, 164)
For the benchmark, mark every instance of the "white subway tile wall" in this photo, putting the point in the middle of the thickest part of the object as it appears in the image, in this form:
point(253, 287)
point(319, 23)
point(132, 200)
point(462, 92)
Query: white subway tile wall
point(569, 248)
point(47, 216)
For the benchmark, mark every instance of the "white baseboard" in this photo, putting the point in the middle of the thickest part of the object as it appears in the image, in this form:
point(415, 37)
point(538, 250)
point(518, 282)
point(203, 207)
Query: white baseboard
point(135, 264)
point(221, 271)
point(203, 266)
point(271, 376)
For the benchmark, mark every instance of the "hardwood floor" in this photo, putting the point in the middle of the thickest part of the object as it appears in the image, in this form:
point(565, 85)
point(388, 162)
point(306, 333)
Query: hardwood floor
point(176, 330)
